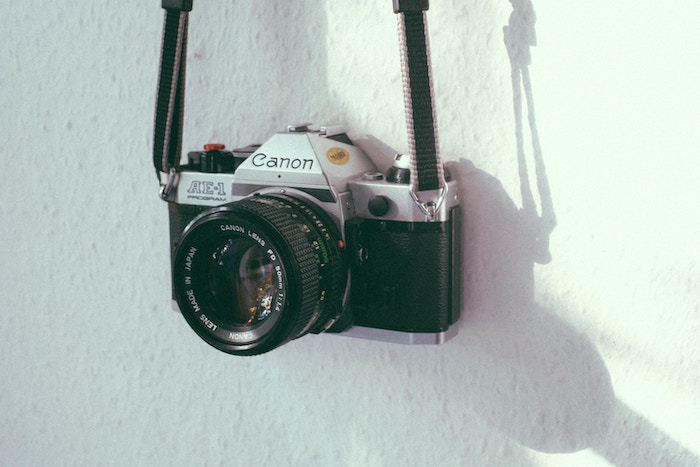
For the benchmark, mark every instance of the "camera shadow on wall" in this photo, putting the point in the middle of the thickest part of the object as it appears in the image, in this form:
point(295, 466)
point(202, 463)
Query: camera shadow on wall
point(532, 376)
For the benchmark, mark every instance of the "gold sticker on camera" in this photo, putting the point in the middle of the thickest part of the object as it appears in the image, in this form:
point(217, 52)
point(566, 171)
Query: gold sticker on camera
point(338, 156)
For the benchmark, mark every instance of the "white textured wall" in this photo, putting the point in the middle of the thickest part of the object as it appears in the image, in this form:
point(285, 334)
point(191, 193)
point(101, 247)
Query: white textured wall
point(590, 360)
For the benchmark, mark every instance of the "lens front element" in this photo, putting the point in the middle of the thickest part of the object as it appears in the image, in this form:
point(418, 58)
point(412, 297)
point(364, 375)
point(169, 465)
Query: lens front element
point(242, 283)
point(254, 274)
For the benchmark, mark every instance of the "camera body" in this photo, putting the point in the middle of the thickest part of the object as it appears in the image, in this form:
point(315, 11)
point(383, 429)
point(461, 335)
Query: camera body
point(303, 234)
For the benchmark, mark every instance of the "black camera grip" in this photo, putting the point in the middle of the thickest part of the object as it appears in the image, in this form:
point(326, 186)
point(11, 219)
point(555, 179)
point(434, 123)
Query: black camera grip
point(389, 290)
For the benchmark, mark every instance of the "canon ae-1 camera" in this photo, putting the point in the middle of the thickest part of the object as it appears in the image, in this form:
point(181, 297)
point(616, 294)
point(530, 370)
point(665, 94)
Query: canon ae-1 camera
point(303, 235)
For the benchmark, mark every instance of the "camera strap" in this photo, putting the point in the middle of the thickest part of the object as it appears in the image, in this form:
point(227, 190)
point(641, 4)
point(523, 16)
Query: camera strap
point(426, 168)
point(427, 173)
point(170, 100)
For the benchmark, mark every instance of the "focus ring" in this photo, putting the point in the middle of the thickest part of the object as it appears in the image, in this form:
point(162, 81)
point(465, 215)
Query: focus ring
point(292, 232)
point(332, 271)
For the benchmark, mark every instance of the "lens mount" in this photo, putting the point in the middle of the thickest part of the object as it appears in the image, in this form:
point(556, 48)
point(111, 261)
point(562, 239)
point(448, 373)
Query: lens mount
point(251, 275)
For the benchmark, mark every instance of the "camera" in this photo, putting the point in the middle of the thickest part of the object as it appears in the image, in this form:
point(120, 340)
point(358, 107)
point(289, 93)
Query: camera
point(303, 234)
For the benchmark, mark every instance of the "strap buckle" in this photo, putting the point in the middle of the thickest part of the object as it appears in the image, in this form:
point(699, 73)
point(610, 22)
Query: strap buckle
point(167, 187)
point(402, 6)
point(430, 208)
point(178, 5)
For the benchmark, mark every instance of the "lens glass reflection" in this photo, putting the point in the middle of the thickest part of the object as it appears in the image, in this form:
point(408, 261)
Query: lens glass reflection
point(241, 283)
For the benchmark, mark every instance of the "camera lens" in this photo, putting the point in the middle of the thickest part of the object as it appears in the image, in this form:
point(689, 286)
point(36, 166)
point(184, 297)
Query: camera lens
point(252, 275)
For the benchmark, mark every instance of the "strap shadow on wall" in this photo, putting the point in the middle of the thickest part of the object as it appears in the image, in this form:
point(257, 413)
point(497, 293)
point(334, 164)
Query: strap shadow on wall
point(547, 387)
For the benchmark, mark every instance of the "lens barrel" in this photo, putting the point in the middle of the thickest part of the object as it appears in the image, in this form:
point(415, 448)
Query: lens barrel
point(251, 275)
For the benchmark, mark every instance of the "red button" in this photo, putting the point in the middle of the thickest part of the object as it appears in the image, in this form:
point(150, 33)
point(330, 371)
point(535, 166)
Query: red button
point(214, 147)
